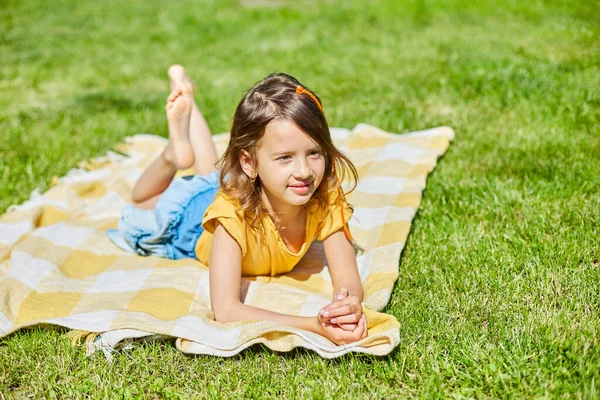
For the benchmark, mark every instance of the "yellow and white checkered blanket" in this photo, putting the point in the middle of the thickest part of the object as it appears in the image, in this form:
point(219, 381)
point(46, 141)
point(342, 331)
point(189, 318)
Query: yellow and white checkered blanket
point(59, 267)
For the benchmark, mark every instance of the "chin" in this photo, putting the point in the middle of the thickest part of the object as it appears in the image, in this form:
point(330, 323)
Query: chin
point(300, 200)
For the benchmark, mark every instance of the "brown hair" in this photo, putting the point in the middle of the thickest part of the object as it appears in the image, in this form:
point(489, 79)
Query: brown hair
point(275, 98)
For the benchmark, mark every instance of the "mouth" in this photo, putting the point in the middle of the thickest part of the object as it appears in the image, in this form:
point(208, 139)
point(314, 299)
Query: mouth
point(300, 188)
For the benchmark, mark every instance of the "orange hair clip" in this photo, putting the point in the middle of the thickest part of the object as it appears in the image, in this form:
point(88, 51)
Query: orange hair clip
point(300, 90)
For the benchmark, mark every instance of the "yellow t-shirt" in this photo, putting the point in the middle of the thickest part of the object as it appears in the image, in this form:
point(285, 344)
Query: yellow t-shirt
point(268, 254)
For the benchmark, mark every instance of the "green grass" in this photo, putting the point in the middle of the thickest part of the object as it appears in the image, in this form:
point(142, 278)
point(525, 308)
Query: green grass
point(499, 293)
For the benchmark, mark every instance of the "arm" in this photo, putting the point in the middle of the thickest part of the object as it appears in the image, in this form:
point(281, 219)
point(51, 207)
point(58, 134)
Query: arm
point(346, 308)
point(225, 274)
point(341, 260)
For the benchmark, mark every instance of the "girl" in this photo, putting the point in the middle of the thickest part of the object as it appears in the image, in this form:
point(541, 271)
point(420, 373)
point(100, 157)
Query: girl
point(275, 191)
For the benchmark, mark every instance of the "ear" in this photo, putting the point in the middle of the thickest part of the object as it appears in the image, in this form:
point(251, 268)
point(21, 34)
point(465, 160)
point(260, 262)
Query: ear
point(247, 164)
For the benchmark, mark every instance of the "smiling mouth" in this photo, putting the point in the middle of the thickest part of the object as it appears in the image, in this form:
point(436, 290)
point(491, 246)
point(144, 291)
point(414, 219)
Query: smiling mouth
point(301, 188)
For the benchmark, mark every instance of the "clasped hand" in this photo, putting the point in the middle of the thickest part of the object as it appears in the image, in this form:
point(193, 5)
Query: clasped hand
point(343, 320)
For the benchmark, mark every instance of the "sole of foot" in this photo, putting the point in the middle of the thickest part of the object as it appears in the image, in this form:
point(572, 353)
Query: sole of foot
point(179, 149)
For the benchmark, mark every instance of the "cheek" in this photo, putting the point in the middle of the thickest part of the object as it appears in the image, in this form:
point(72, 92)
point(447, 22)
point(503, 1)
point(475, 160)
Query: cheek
point(319, 169)
point(274, 172)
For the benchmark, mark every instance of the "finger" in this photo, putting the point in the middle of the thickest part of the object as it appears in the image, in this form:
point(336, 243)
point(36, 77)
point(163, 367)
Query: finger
point(348, 327)
point(334, 306)
point(346, 319)
point(324, 320)
point(344, 310)
point(360, 329)
point(324, 312)
point(357, 334)
point(337, 312)
point(349, 300)
point(326, 308)
point(321, 319)
point(366, 331)
point(341, 294)
point(330, 310)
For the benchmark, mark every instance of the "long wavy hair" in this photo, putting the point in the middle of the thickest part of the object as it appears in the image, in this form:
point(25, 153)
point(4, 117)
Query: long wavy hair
point(277, 97)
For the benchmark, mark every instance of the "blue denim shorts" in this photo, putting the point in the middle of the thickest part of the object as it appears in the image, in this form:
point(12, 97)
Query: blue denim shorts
point(173, 227)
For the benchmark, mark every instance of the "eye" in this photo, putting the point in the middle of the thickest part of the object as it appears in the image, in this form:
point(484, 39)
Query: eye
point(314, 153)
point(284, 158)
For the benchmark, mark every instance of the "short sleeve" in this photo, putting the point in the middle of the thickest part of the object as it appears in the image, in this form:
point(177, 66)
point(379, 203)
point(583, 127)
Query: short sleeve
point(339, 215)
point(226, 212)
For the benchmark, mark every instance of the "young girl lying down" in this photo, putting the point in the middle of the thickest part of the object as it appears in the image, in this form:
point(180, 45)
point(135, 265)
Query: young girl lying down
point(256, 210)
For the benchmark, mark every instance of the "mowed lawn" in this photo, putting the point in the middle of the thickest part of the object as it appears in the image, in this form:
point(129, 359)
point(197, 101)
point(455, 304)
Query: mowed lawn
point(499, 287)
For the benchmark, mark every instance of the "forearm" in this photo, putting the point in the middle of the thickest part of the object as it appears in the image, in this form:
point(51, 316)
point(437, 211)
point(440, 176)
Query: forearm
point(342, 265)
point(243, 312)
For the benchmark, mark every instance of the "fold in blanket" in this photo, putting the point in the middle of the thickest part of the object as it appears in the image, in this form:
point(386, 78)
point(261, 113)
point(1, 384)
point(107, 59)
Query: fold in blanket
point(59, 267)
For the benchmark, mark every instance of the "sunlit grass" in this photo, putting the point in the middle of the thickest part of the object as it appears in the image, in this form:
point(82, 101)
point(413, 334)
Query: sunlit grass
point(498, 294)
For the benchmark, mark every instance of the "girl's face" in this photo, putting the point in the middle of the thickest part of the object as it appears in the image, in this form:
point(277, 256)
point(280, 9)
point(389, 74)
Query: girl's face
point(289, 163)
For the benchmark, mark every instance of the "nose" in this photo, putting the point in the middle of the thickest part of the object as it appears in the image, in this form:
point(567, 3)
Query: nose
point(302, 170)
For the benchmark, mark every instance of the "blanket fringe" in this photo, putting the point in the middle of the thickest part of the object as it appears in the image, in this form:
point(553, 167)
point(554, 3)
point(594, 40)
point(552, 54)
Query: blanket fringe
point(77, 336)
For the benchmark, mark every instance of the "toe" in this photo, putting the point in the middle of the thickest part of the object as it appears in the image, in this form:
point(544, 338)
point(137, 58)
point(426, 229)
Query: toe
point(176, 69)
point(174, 94)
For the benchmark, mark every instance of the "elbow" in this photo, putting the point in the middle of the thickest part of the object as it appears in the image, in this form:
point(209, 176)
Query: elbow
point(224, 313)
point(222, 317)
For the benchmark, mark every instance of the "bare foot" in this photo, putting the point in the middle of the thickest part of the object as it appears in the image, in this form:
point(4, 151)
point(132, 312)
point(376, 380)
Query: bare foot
point(179, 108)
point(180, 80)
point(205, 154)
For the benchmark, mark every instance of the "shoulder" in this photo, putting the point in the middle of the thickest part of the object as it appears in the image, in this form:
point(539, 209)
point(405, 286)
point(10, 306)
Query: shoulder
point(224, 205)
point(226, 212)
point(334, 215)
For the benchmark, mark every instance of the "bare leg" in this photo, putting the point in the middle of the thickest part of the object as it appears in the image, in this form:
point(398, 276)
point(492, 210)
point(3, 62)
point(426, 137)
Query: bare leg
point(177, 154)
point(205, 153)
